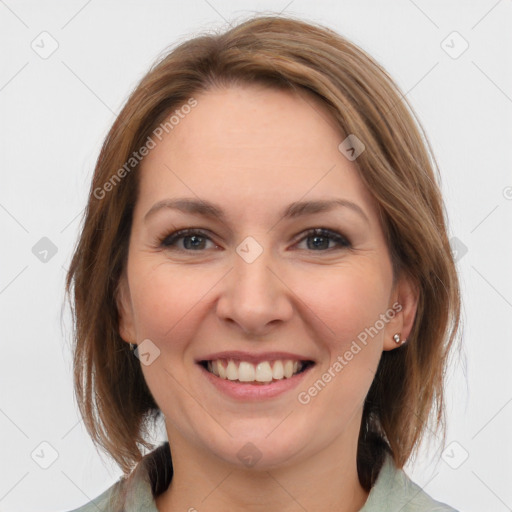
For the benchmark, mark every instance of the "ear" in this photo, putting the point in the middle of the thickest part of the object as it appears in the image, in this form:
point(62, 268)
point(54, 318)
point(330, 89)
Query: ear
point(404, 303)
point(125, 311)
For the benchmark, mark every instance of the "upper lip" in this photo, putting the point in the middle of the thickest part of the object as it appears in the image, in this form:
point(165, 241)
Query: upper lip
point(251, 357)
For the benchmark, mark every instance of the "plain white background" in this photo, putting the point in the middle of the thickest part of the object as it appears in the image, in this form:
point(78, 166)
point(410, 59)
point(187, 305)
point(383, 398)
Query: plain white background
point(55, 112)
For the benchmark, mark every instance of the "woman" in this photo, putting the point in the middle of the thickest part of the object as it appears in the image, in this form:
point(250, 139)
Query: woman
point(264, 263)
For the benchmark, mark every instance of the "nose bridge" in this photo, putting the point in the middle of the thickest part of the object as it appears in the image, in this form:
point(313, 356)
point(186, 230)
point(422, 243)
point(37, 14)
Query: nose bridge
point(252, 274)
point(253, 296)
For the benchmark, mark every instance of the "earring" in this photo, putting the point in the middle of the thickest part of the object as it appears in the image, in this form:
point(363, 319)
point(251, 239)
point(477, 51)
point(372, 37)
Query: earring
point(396, 337)
point(133, 346)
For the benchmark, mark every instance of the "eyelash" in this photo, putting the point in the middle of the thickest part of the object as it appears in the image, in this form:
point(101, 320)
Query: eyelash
point(169, 240)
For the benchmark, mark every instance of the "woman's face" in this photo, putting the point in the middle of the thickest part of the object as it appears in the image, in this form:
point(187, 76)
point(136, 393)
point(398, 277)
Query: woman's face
point(253, 286)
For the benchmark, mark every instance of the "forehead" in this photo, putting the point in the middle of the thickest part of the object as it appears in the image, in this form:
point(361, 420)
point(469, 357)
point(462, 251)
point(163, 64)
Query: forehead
point(252, 121)
point(252, 144)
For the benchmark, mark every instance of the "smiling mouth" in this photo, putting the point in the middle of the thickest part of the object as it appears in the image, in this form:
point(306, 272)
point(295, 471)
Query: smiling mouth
point(265, 372)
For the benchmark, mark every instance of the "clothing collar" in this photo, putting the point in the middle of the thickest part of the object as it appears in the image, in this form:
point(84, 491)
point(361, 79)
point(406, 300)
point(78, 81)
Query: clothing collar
point(393, 490)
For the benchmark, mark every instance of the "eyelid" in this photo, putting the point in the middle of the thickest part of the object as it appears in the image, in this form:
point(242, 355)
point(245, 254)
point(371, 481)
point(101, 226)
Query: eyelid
point(342, 241)
point(340, 238)
point(182, 233)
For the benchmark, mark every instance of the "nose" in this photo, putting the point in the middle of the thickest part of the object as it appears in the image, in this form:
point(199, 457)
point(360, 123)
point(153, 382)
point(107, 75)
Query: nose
point(255, 298)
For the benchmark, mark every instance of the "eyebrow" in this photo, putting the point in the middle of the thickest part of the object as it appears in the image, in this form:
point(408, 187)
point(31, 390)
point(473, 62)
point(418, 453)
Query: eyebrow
point(293, 210)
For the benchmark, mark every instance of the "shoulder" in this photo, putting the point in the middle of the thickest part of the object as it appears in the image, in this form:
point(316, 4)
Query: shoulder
point(105, 502)
point(136, 492)
point(394, 490)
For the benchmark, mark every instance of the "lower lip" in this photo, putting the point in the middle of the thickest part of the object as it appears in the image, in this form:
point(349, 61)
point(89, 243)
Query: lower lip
point(249, 391)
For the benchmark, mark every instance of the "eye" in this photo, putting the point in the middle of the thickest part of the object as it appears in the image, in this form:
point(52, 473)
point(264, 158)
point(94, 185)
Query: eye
point(196, 240)
point(193, 240)
point(321, 238)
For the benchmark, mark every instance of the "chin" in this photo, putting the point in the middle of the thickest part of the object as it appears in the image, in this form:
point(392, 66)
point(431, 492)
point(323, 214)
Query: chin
point(261, 448)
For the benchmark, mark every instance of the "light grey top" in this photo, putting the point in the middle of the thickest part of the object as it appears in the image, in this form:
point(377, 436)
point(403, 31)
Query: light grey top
point(393, 491)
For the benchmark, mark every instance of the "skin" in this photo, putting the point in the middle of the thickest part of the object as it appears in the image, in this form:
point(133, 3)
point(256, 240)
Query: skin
point(253, 151)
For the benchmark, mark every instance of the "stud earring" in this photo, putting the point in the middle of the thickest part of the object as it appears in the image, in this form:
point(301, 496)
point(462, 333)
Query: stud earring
point(396, 337)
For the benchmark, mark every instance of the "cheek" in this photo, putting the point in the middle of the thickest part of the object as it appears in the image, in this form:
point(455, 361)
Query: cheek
point(348, 302)
point(341, 303)
point(166, 300)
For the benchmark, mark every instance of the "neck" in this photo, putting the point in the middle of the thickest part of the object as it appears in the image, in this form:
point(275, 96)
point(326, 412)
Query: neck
point(322, 482)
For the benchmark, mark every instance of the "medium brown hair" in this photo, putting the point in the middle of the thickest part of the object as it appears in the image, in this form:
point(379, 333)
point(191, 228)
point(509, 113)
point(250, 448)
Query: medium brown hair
point(397, 167)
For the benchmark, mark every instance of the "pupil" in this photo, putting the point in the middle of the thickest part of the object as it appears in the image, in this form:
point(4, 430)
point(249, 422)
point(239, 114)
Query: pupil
point(316, 238)
point(196, 240)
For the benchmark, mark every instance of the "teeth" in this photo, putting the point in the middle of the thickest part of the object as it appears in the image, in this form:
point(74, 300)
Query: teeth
point(278, 370)
point(264, 371)
point(246, 372)
point(288, 369)
point(231, 371)
point(221, 371)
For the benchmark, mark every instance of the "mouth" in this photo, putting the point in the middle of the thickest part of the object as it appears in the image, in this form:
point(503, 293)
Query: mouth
point(261, 373)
